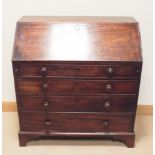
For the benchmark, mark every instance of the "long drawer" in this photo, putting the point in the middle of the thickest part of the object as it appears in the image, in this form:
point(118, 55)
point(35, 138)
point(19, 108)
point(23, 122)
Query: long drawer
point(77, 86)
point(76, 122)
point(29, 69)
point(104, 103)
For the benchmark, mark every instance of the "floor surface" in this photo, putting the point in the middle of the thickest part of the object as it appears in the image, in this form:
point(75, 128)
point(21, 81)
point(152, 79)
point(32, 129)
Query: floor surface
point(143, 143)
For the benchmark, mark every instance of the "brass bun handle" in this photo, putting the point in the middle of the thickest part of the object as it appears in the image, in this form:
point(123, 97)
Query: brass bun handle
point(105, 123)
point(110, 70)
point(46, 104)
point(108, 87)
point(43, 71)
point(45, 86)
point(107, 106)
point(48, 122)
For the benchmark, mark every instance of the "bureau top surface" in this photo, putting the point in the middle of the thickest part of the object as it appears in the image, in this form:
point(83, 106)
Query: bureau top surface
point(77, 39)
point(90, 19)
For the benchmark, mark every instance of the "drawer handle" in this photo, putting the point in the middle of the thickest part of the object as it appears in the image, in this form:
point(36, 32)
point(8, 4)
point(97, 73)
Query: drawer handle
point(48, 122)
point(46, 104)
point(43, 71)
point(16, 70)
point(107, 106)
point(105, 123)
point(45, 86)
point(110, 70)
point(108, 87)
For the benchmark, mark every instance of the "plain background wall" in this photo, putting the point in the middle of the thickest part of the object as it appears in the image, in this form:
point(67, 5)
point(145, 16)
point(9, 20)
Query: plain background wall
point(140, 9)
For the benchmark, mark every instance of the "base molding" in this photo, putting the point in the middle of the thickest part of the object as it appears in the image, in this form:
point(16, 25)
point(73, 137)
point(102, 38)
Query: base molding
point(141, 109)
point(127, 138)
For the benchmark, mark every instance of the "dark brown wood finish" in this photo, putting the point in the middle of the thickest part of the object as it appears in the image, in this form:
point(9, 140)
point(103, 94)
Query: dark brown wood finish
point(80, 103)
point(77, 86)
point(29, 69)
point(77, 77)
point(77, 41)
point(76, 122)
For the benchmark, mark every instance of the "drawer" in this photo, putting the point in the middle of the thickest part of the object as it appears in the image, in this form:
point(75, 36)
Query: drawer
point(108, 104)
point(76, 122)
point(28, 69)
point(77, 86)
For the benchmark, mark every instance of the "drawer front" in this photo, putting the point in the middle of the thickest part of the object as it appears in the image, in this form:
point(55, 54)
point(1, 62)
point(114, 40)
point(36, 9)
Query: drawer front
point(77, 122)
point(113, 103)
point(77, 86)
point(68, 70)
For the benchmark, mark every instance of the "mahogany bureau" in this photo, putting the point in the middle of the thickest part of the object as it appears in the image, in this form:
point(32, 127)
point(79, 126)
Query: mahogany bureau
point(77, 77)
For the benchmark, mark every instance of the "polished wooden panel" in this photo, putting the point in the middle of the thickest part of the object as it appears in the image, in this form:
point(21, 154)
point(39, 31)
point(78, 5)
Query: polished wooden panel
point(141, 109)
point(76, 122)
point(77, 41)
point(61, 103)
point(29, 69)
point(77, 86)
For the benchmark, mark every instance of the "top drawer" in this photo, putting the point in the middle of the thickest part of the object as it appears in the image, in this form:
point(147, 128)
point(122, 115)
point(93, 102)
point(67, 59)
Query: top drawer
point(35, 69)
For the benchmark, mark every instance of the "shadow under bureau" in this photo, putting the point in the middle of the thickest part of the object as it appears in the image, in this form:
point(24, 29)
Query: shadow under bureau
point(77, 77)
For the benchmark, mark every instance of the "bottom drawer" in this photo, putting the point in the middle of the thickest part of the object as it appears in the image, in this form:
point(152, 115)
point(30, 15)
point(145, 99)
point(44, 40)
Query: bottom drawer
point(76, 122)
